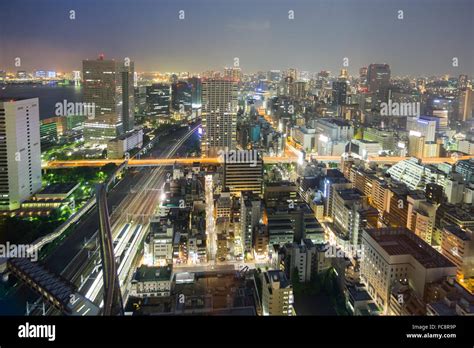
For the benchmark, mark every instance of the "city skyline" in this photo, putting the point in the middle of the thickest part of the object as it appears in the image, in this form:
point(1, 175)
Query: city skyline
point(261, 35)
point(310, 158)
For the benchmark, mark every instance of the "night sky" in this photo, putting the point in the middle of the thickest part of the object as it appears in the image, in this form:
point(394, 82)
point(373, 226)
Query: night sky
point(257, 31)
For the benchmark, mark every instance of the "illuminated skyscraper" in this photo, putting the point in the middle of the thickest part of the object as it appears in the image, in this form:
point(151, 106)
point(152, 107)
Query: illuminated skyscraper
point(158, 100)
point(196, 92)
point(109, 85)
point(181, 96)
point(462, 81)
point(293, 73)
point(20, 153)
point(219, 116)
point(233, 73)
point(339, 93)
point(466, 104)
point(378, 80)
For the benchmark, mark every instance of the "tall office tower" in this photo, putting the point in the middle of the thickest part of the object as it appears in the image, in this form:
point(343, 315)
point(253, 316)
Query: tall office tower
point(126, 85)
point(442, 109)
point(158, 100)
point(363, 73)
point(293, 73)
point(378, 80)
point(339, 93)
point(181, 96)
point(219, 116)
point(140, 101)
point(466, 104)
point(250, 215)
point(109, 85)
point(462, 81)
point(285, 86)
point(20, 152)
point(233, 73)
point(298, 89)
point(277, 294)
point(196, 92)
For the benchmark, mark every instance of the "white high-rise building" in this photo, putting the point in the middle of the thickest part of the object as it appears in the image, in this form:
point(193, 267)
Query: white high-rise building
point(20, 152)
point(219, 116)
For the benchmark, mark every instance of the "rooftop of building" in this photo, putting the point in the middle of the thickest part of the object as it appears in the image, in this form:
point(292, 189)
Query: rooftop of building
point(350, 194)
point(152, 273)
point(58, 188)
point(442, 308)
point(417, 194)
point(283, 207)
point(379, 131)
point(461, 213)
point(458, 232)
point(280, 184)
point(225, 289)
point(333, 173)
point(365, 141)
point(127, 135)
point(466, 163)
point(275, 276)
point(358, 293)
point(306, 244)
point(401, 241)
point(336, 121)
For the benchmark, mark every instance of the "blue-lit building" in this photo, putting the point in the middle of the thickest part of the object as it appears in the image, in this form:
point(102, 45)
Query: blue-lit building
point(255, 133)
